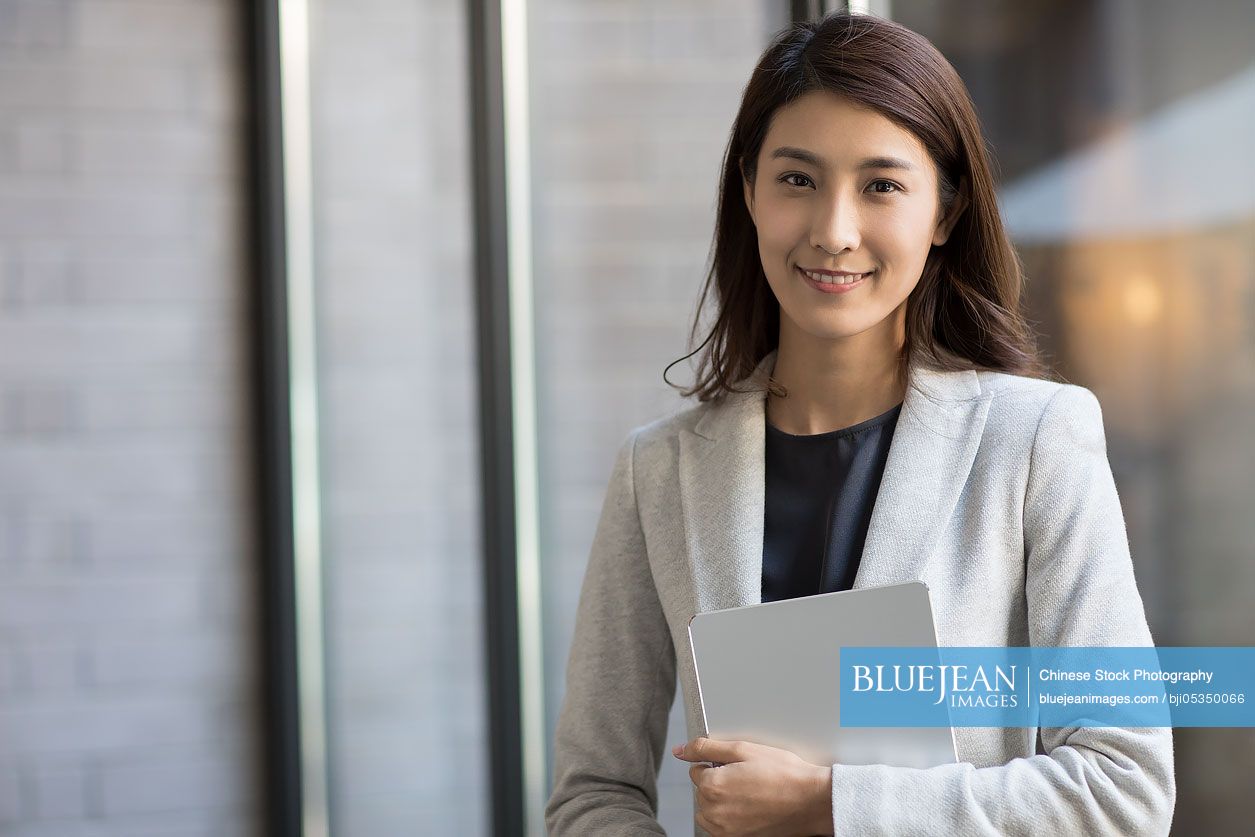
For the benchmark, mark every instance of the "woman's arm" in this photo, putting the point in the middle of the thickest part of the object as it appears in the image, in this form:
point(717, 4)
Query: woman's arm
point(1080, 591)
point(620, 682)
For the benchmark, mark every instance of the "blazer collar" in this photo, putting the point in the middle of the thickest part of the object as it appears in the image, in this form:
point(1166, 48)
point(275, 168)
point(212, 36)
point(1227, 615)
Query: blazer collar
point(722, 469)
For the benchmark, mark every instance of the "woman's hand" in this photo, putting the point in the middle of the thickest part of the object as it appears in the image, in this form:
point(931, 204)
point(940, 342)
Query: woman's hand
point(757, 790)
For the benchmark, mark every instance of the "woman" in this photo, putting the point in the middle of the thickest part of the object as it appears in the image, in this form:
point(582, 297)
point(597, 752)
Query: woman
point(872, 410)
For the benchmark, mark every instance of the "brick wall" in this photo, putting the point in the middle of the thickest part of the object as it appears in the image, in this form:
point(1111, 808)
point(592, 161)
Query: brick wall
point(127, 634)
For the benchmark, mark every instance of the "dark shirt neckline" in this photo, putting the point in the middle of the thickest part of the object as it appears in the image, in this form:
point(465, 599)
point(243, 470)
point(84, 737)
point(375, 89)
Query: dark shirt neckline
point(874, 421)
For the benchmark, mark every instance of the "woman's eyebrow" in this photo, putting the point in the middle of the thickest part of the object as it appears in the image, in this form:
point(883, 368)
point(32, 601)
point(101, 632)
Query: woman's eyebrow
point(815, 160)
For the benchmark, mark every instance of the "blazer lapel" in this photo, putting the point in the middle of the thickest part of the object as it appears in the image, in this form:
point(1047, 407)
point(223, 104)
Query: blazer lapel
point(722, 477)
point(933, 448)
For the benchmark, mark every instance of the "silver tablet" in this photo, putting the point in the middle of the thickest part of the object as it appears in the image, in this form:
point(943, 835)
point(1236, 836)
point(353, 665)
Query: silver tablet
point(768, 673)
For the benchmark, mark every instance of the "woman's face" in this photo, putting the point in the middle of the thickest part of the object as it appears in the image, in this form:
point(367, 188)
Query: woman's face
point(838, 177)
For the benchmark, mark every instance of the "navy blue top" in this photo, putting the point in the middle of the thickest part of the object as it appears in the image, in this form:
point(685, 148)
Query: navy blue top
point(820, 491)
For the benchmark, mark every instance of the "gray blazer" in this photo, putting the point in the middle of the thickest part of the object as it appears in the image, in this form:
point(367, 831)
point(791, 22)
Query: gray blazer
point(997, 493)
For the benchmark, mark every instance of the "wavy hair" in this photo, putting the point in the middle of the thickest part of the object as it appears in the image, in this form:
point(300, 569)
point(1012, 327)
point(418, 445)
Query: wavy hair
point(965, 312)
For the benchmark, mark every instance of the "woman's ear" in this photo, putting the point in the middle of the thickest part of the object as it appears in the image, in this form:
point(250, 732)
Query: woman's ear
point(942, 234)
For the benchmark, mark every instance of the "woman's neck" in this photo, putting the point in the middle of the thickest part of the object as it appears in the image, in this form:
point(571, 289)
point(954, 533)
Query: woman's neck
point(835, 384)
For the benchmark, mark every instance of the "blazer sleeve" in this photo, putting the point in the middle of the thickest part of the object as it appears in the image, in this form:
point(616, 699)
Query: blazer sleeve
point(620, 681)
point(1080, 591)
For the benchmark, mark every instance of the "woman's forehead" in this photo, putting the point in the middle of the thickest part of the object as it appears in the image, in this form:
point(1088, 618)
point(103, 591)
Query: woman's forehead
point(837, 132)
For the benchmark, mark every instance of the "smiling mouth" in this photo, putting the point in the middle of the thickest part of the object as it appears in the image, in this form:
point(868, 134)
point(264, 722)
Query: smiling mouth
point(841, 279)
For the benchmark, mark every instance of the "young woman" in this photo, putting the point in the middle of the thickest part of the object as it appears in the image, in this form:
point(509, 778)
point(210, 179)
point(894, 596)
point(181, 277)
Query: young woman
point(871, 410)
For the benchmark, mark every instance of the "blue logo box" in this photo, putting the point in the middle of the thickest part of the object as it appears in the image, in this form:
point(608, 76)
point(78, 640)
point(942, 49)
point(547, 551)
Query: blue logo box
point(1047, 687)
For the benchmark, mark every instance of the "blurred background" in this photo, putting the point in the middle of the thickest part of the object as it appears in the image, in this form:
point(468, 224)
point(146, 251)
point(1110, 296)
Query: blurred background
point(321, 323)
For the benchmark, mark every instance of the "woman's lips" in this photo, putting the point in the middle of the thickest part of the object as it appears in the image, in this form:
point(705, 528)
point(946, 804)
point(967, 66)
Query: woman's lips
point(833, 288)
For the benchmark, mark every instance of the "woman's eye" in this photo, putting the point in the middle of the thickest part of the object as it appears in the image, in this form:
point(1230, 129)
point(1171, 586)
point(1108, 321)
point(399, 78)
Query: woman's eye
point(894, 186)
point(785, 178)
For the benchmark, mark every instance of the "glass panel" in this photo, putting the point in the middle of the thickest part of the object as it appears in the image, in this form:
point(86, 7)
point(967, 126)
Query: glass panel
point(406, 691)
point(1123, 132)
point(631, 108)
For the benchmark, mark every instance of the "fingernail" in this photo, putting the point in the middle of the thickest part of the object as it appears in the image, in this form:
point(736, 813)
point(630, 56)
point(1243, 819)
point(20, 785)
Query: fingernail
point(677, 749)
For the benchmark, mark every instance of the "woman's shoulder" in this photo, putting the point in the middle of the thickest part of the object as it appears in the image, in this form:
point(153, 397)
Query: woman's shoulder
point(1017, 391)
point(1023, 392)
point(667, 427)
point(1019, 403)
point(656, 445)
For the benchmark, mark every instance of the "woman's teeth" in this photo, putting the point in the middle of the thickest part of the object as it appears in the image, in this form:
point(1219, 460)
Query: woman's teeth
point(834, 280)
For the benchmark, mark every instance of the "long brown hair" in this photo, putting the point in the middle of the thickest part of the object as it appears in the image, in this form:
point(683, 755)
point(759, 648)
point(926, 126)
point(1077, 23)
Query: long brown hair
point(965, 312)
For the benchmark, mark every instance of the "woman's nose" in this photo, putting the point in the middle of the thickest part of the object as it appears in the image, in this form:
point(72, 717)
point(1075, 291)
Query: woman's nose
point(837, 227)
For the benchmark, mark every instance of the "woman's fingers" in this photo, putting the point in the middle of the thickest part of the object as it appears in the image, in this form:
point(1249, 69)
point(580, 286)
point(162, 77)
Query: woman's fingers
point(714, 751)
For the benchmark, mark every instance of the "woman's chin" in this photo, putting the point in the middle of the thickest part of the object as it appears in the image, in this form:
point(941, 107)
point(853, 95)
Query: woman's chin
point(830, 330)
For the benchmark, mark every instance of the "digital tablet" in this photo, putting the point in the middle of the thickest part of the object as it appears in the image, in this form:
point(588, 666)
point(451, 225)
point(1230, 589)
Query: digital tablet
point(769, 673)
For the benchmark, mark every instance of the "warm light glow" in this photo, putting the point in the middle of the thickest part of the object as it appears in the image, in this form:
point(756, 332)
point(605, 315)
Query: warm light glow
point(1143, 300)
